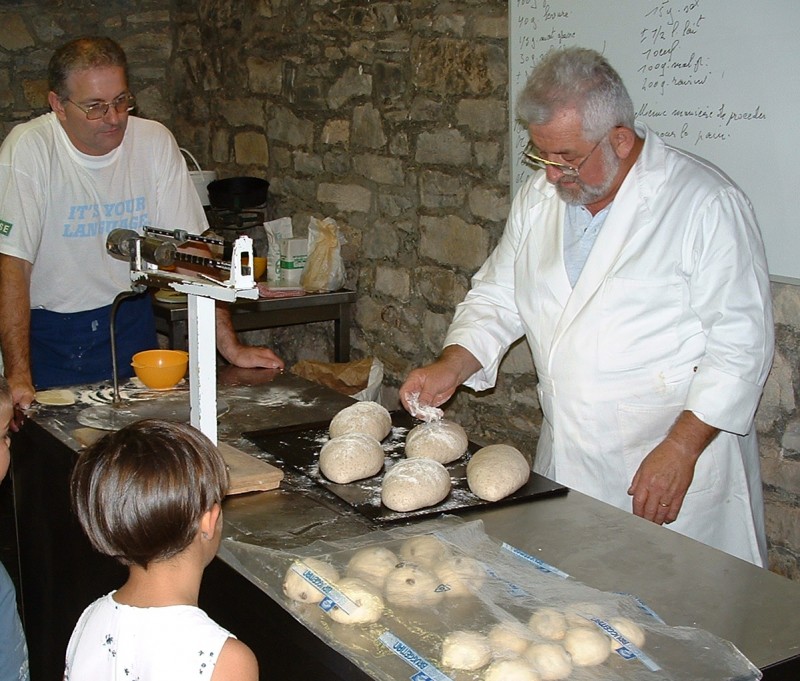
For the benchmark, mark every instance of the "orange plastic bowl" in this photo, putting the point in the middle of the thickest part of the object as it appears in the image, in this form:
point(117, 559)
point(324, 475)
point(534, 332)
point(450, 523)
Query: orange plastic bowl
point(160, 369)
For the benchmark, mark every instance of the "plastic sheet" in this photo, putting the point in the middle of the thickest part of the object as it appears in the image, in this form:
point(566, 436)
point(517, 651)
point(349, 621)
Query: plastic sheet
point(508, 588)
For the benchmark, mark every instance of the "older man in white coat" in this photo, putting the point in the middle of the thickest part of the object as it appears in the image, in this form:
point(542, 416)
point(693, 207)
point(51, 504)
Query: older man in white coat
point(637, 274)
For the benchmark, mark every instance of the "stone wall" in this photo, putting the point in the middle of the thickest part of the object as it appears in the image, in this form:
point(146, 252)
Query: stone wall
point(390, 117)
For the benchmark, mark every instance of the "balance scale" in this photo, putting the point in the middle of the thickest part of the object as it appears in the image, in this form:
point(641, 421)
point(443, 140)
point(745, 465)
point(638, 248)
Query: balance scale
point(157, 248)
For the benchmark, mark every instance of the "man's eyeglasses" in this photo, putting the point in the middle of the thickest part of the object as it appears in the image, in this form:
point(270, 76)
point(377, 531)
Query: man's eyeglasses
point(532, 158)
point(94, 112)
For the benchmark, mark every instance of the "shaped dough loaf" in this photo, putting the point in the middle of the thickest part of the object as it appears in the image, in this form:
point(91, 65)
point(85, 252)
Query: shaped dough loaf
point(362, 417)
point(548, 623)
point(515, 669)
point(441, 440)
point(468, 650)
point(462, 574)
point(425, 550)
point(496, 471)
point(412, 586)
point(296, 587)
point(629, 629)
point(368, 602)
point(415, 483)
point(509, 638)
point(586, 646)
point(550, 660)
point(372, 564)
point(349, 457)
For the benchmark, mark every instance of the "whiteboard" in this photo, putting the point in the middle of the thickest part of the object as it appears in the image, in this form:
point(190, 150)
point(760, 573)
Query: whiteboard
point(718, 78)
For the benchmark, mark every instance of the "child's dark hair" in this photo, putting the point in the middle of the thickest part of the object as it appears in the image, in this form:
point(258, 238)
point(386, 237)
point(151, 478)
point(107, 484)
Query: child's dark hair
point(140, 492)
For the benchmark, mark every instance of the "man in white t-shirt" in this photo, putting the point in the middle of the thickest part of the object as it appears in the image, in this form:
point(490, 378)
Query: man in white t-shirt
point(67, 179)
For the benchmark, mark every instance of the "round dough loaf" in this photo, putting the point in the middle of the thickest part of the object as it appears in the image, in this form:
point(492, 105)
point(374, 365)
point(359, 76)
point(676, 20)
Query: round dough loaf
point(368, 602)
point(362, 417)
point(443, 441)
point(548, 623)
point(629, 629)
point(468, 650)
point(577, 614)
point(425, 550)
point(412, 586)
point(550, 660)
point(586, 646)
point(510, 638)
point(515, 669)
point(349, 457)
point(415, 483)
point(59, 397)
point(372, 564)
point(299, 589)
point(462, 574)
point(496, 471)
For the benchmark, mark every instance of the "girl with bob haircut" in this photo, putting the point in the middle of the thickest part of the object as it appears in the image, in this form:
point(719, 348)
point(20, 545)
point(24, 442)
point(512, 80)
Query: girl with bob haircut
point(150, 495)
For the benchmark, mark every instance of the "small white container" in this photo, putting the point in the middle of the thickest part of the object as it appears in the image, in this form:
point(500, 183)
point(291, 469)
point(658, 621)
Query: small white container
point(294, 254)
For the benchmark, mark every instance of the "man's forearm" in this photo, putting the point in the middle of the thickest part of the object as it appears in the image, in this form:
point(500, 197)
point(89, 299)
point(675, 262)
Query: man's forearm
point(16, 317)
point(691, 434)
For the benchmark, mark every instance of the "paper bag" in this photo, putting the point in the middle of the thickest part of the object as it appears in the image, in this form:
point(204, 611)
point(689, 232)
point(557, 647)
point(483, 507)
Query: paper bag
point(324, 269)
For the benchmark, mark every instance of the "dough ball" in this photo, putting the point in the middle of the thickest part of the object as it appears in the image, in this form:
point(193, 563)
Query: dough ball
point(443, 441)
point(296, 587)
point(362, 417)
point(412, 586)
point(577, 614)
point(425, 550)
point(464, 575)
point(349, 457)
point(496, 471)
point(372, 564)
point(366, 598)
point(509, 638)
point(515, 669)
point(61, 397)
point(629, 629)
point(586, 646)
point(550, 660)
point(548, 623)
point(468, 650)
point(415, 483)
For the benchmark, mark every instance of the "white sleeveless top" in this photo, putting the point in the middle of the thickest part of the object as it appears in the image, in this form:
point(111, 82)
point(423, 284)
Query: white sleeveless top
point(114, 641)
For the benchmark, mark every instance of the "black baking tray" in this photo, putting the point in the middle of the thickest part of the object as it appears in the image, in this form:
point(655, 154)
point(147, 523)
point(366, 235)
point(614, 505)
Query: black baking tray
point(298, 446)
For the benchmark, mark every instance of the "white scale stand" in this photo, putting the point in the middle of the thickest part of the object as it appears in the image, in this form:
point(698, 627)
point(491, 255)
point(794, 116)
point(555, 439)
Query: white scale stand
point(202, 294)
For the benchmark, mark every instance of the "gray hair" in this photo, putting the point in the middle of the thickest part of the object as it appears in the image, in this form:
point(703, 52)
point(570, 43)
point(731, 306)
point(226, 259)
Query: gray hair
point(580, 79)
point(81, 54)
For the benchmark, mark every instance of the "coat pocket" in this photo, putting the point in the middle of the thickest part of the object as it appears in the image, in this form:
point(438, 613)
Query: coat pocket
point(644, 427)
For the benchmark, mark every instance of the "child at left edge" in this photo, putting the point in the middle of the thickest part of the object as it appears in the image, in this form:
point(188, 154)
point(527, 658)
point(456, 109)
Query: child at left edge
point(13, 649)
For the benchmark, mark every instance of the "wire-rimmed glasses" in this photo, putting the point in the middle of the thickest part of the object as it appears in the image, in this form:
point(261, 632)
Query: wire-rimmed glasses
point(95, 112)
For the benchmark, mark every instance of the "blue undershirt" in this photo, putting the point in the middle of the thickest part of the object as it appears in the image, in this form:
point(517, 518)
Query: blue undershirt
point(580, 232)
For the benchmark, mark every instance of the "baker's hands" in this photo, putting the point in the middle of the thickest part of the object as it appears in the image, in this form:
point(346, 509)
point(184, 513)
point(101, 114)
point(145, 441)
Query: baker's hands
point(663, 478)
point(22, 394)
point(253, 357)
point(434, 384)
point(238, 354)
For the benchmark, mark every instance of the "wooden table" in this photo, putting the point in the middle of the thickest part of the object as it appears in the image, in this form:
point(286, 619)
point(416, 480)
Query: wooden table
point(266, 313)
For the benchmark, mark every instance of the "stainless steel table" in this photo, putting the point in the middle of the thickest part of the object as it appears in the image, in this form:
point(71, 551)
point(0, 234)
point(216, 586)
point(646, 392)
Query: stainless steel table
point(267, 313)
point(685, 582)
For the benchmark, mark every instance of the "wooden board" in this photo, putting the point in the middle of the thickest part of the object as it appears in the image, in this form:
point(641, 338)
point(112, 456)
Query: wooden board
point(247, 473)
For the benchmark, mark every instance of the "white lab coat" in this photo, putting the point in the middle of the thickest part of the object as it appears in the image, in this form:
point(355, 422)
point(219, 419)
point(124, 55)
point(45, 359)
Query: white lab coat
point(671, 312)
